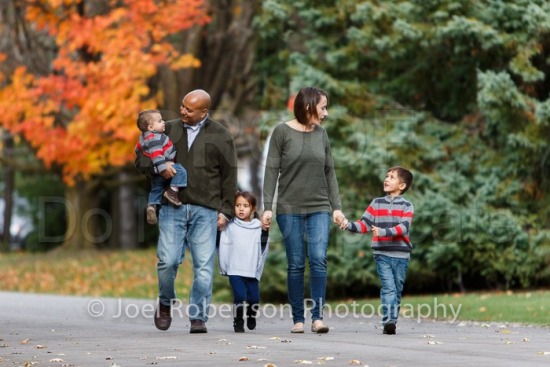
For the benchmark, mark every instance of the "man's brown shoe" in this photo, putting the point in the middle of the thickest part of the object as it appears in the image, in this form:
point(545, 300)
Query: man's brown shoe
point(198, 327)
point(172, 197)
point(163, 317)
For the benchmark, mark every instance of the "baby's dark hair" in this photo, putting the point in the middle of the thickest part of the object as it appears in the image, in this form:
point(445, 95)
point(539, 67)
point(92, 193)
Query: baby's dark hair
point(251, 198)
point(145, 118)
point(404, 175)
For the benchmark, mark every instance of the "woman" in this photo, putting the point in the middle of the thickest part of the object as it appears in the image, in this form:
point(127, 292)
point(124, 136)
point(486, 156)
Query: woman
point(299, 160)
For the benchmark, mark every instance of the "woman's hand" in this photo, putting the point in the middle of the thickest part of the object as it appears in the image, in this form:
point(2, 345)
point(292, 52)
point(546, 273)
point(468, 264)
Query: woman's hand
point(266, 219)
point(338, 217)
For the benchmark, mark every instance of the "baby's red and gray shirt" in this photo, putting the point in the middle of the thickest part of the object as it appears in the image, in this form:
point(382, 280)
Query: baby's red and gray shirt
point(158, 147)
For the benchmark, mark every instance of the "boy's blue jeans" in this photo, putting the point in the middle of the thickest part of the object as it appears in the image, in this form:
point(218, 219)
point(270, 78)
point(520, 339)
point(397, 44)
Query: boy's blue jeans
point(159, 183)
point(299, 231)
point(392, 272)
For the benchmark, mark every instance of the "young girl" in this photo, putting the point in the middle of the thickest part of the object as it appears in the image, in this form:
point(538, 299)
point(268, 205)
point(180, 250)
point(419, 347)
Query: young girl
point(242, 254)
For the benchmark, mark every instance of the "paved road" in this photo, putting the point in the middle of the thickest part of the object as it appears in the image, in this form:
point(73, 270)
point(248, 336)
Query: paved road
point(46, 330)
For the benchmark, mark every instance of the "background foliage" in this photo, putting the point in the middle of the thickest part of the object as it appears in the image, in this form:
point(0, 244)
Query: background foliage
point(455, 90)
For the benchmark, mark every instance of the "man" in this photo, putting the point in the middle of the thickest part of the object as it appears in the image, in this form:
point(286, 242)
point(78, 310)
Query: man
point(206, 149)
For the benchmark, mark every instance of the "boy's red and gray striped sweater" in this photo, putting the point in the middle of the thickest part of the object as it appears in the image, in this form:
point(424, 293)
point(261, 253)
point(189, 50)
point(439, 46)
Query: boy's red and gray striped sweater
point(393, 215)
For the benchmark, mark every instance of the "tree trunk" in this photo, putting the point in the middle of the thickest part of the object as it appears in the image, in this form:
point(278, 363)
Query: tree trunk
point(84, 218)
point(123, 213)
point(9, 175)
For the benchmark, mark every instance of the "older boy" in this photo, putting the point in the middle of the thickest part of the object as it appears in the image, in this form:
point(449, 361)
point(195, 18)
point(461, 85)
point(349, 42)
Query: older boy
point(389, 219)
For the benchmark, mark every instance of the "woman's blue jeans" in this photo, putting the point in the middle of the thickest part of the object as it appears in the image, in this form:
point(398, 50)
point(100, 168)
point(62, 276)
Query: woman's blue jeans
point(392, 272)
point(193, 227)
point(306, 235)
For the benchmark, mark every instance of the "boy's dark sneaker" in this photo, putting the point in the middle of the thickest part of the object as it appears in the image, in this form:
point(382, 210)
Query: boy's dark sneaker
point(172, 197)
point(389, 328)
point(152, 214)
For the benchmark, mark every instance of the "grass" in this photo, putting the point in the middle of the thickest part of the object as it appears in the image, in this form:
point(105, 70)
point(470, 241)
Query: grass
point(133, 274)
point(529, 307)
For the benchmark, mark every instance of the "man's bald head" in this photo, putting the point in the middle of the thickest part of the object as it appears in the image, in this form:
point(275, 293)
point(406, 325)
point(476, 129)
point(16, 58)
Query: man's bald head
point(194, 106)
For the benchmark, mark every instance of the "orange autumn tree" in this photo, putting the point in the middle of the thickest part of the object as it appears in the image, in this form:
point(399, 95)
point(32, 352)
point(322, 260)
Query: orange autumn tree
point(80, 117)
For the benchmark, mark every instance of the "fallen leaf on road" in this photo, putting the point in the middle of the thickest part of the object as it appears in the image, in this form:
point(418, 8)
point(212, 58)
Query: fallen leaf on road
point(355, 362)
point(544, 353)
point(525, 339)
point(56, 360)
point(505, 331)
point(432, 342)
point(241, 359)
point(326, 358)
point(39, 346)
point(303, 361)
point(269, 365)
point(275, 338)
point(25, 341)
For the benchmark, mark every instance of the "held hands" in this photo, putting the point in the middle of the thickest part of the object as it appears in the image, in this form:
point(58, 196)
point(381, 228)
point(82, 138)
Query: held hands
point(342, 222)
point(340, 219)
point(222, 222)
point(266, 219)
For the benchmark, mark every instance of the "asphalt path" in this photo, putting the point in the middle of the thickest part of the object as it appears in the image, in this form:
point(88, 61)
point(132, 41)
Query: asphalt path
point(48, 330)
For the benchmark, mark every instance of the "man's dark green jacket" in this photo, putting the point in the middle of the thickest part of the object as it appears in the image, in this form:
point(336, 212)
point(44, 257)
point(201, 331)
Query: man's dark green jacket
point(211, 165)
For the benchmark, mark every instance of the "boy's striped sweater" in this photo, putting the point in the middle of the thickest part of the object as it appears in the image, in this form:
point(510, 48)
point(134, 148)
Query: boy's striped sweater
point(393, 215)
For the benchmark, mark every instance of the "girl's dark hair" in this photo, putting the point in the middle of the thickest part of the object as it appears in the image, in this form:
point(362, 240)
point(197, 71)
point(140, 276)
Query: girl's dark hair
point(251, 198)
point(144, 119)
point(305, 103)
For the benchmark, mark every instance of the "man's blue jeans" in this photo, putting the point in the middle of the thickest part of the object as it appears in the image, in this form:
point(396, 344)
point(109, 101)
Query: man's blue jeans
point(159, 184)
point(299, 231)
point(193, 227)
point(392, 272)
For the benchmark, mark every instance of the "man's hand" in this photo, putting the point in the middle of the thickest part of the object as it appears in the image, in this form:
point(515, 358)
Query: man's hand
point(222, 222)
point(169, 172)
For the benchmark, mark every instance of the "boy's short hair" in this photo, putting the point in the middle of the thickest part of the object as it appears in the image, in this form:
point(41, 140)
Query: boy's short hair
point(404, 175)
point(144, 119)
